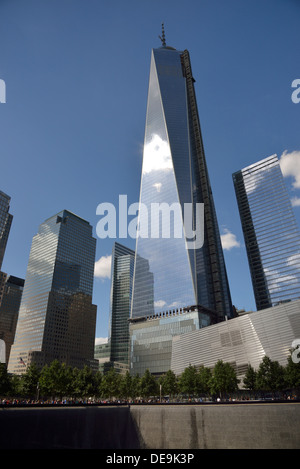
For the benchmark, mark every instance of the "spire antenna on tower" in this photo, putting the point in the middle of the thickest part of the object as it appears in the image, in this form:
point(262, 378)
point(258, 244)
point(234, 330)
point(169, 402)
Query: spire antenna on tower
point(163, 37)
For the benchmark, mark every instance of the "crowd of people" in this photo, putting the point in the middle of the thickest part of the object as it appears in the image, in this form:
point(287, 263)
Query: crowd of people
point(164, 400)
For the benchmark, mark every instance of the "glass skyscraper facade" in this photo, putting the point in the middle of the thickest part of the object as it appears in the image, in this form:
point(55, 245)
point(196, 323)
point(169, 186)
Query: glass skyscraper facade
point(122, 267)
point(151, 337)
point(168, 273)
point(10, 300)
point(9, 293)
point(102, 355)
point(5, 223)
point(271, 233)
point(57, 319)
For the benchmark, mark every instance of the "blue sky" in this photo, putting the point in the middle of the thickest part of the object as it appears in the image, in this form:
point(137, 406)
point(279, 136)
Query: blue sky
point(72, 127)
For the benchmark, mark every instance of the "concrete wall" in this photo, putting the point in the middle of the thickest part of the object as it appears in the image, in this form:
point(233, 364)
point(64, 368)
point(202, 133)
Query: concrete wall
point(232, 426)
point(221, 426)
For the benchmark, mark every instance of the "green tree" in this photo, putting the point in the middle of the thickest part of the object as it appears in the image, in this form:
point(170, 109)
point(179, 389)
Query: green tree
point(148, 385)
point(202, 380)
point(249, 381)
point(5, 382)
point(126, 386)
point(69, 380)
point(85, 382)
point(136, 386)
point(279, 376)
point(74, 385)
point(15, 386)
point(270, 376)
point(29, 381)
point(188, 383)
point(54, 380)
point(169, 383)
point(97, 383)
point(292, 372)
point(110, 384)
point(223, 379)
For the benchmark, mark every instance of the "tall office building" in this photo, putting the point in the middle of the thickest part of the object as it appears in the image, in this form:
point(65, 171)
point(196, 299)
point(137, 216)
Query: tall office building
point(5, 223)
point(102, 355)
point(10, 300)
point(7, 321)
point(174, 173)
point(271, 233)
point(57, 319)
point(122, 267)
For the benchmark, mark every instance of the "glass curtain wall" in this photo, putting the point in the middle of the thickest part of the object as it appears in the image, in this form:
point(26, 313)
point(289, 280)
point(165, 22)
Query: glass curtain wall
point(165, 267)
point(120, 302)
point(270, 230)
point(5, 223)
point(56, 318)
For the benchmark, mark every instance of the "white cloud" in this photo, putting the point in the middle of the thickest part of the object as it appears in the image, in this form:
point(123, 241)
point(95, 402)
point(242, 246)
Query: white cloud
point(159, 303)
point(101, 340)
point(157, 186)
point(290, 166)
point(257, 177)
point(294, 260)
point(229, 240)
point(277, 281)
point(157, 155)
point(295, 201)
point(103, 267)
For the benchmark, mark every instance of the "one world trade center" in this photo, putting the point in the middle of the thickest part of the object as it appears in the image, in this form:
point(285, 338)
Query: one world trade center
point(169, 271)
